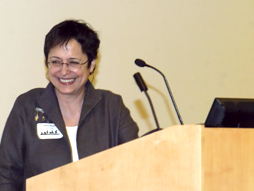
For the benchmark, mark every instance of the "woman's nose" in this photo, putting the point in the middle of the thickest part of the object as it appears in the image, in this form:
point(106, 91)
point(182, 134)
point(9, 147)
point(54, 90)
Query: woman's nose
point(65, 69)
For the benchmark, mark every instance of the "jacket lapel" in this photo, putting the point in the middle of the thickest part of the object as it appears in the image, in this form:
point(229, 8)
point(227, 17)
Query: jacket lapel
point(49, 103)
point(92, 97)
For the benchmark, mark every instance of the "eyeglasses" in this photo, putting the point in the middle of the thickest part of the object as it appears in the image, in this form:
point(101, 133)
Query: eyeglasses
point(72, 64)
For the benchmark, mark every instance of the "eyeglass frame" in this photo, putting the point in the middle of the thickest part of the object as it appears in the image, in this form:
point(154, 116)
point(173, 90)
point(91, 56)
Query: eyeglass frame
point(68, 65)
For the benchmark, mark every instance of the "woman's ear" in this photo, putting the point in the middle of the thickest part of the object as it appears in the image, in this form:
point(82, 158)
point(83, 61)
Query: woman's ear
point(92, 66)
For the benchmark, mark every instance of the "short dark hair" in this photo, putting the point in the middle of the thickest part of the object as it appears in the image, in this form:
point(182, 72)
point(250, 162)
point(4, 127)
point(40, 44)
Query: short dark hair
point(63, 32)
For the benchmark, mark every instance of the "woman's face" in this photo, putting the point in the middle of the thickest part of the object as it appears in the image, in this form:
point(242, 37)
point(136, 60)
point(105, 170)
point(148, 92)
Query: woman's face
point(69, 81)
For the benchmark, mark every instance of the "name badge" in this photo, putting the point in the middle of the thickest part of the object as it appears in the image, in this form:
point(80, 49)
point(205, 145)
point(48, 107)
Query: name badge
point(48, 131)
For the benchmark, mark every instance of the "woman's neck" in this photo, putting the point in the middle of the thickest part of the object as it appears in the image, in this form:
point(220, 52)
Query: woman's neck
point(70, 106)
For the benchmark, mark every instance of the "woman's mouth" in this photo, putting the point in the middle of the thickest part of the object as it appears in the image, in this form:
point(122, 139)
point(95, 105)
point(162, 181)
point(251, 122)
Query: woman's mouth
point(66, 80)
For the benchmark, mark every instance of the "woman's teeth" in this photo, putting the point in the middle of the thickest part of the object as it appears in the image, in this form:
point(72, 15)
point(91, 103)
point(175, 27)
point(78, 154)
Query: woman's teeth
point(66, 80)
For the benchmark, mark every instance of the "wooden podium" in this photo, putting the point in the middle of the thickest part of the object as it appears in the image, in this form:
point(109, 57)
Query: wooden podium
point(188, 157)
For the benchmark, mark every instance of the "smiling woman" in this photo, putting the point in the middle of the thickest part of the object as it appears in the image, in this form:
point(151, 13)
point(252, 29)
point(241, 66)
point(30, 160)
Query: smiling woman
point(69, 79)
point(69, 119)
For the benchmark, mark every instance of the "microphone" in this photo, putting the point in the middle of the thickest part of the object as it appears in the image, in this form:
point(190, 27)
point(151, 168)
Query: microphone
point(143, 88)
point(142, 63)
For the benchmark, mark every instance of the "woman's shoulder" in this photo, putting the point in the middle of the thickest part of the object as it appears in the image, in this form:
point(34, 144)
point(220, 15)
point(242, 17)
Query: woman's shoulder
point(28, 100)
point(107, 94)
point(32, 94)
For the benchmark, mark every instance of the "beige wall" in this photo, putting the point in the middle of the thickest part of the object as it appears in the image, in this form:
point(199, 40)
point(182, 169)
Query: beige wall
point(205, 49)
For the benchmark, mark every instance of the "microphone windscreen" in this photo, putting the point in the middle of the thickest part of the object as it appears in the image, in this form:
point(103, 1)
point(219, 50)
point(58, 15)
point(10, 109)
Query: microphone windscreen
point(140, 82)
point(140, 62)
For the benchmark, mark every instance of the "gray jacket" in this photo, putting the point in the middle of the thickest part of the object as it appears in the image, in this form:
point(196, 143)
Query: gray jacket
point(104, 123)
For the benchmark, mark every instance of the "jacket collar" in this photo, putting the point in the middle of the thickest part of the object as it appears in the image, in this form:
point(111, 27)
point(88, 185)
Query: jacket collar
point(49, 103)
point(92, 97)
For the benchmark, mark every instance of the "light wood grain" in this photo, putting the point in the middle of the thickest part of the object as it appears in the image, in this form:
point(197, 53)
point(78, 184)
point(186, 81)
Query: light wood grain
point(228, 159)
point(182, 158)
point(166, 160)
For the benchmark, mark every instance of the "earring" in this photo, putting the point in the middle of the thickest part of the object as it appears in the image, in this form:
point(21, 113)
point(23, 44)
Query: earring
point(47, 75)
point(92, 76)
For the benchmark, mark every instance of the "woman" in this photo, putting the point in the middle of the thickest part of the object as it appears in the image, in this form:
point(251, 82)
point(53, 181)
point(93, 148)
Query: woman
point(69, 119)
